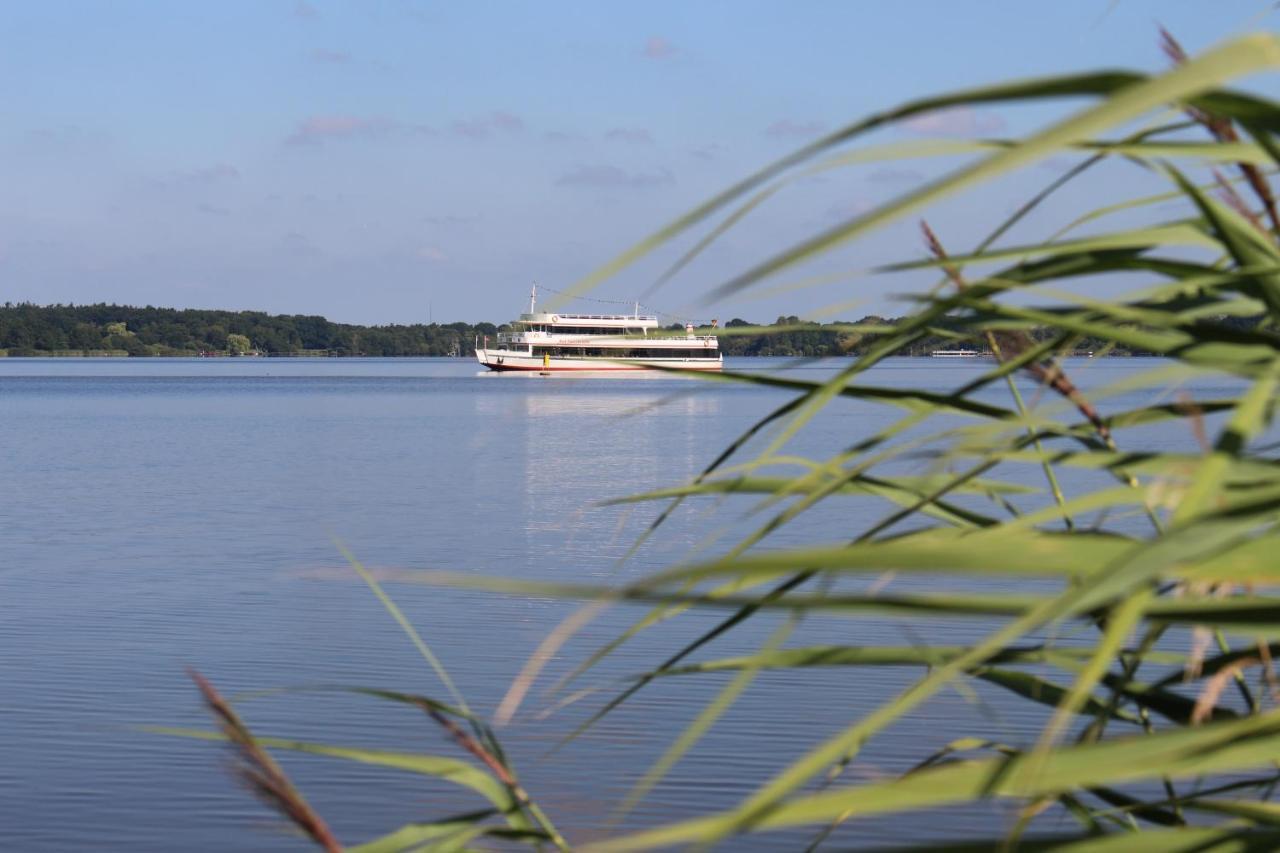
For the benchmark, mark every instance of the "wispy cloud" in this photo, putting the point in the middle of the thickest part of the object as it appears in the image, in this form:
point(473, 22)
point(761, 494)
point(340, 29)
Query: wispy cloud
point(481, 127)
point(956, 121)
point(847, 209)
point(201, 177)
point(212, 210)
point(304, 11)
point(890, 175)
point(614, 177)
point(326, 56)
point(216, 173)
point(432, 253)
point(449, 220)
point(1057, 164)
point(331, 128)
point(707, 152)
point(562, 136)
point(66, 139)
point(656, 47)
point(790, 129)
point(298, 244)
point(633, 135)
point(319, 129)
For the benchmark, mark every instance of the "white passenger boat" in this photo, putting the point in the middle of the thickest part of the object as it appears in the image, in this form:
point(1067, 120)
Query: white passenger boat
point(546, 341)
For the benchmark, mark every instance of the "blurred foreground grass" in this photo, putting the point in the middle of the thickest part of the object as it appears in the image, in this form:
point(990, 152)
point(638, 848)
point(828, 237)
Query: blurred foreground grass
point(1142, 759)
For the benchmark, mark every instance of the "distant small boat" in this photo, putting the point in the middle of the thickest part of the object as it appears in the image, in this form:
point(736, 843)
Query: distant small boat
point(954, 353)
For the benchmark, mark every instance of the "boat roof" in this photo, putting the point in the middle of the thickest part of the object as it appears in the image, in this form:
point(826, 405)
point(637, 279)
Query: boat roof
point(552, 319)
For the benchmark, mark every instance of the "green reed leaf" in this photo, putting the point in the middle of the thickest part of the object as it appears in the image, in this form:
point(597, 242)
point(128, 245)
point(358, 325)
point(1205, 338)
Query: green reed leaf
point(1220, 747)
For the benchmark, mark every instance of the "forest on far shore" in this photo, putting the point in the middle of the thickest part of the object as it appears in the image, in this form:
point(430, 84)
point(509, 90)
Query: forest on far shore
point(35, 330)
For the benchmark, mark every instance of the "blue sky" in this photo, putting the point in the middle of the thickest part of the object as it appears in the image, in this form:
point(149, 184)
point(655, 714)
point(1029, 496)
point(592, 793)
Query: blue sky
point(397, 161)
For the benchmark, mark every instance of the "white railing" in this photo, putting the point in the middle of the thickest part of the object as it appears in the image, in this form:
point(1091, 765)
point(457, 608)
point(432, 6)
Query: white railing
point(632, 317)
point(680, 338)
point(553, 339)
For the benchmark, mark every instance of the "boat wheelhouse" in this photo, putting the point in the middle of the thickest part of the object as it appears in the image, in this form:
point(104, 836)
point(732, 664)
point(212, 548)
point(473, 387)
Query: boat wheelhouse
point(546, 341)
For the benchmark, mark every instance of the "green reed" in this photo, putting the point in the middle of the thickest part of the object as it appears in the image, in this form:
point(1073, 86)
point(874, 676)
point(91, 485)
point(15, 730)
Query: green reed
point(1140, 760)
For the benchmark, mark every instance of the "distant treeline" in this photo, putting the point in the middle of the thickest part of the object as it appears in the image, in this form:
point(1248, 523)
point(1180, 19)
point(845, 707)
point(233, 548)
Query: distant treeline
point(795, 337)
point(90, 329)
point(119, 329)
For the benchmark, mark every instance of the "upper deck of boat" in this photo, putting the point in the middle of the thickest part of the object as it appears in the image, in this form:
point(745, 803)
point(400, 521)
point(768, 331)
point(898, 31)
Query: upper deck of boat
point(619, 321)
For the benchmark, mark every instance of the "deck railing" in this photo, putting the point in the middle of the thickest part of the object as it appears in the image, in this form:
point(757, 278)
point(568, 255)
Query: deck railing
point(631, 317)
point(545, 338)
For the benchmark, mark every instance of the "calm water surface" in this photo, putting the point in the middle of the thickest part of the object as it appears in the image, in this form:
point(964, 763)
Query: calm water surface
point(160, 514)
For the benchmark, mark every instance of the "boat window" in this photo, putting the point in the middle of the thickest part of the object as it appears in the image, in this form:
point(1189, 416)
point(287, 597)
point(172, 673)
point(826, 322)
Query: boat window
point(588, 331)
point(662, 354)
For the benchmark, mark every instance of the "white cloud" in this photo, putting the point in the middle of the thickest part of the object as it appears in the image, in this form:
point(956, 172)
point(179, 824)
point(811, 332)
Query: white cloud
point(788, 129)
point(614, 177)
point(633, 135)
point(956, 121)
point(486, 125)
point(330, 57)
point(319, 129)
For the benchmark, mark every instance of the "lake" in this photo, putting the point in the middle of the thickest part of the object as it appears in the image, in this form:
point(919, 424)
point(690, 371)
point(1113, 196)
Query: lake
point(166, 513)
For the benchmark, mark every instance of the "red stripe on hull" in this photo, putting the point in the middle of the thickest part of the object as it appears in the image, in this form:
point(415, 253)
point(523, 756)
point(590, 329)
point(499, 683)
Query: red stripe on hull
point(502, 368)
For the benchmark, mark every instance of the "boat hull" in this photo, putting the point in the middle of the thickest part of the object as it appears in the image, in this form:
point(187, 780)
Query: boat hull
point(505, 361)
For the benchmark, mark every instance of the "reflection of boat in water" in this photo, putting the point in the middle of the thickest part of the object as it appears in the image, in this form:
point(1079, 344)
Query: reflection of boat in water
point(954, 353)
point(543, 341)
